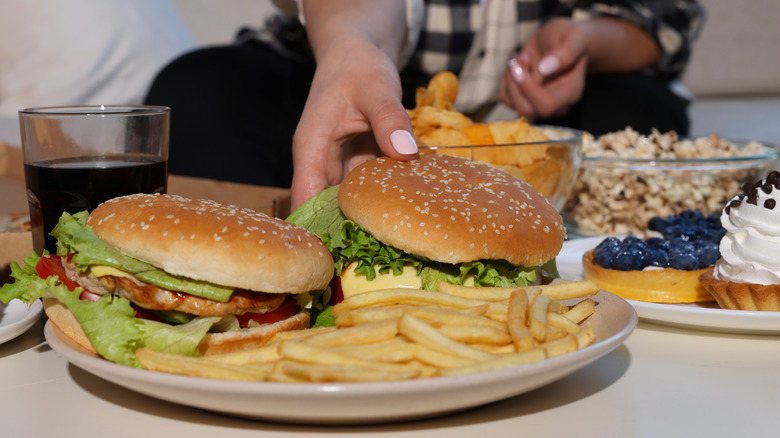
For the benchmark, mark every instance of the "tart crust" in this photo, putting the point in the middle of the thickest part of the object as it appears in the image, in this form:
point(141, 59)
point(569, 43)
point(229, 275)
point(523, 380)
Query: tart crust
point(742, 296)
point(658, 285)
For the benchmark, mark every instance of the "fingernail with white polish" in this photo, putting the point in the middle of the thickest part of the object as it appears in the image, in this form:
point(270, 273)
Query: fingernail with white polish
point(548, 65)
point(516, 70)
point(403, 142)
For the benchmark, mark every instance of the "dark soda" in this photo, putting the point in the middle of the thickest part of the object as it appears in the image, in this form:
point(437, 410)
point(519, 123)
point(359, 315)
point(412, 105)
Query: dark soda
point(74, 185)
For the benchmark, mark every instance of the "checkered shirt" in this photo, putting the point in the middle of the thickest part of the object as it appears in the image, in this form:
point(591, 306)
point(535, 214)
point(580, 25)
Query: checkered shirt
point(475, 38)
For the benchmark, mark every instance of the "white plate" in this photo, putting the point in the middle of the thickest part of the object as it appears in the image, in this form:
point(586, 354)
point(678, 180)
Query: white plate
point(354, 403)
point(699, 316)
point(16, 318)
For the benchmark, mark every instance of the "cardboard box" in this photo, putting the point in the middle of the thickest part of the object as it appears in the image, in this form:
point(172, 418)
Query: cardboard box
point(14, 247)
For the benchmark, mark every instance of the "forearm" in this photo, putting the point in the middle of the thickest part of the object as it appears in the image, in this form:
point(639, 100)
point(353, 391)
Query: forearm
point(334, 24)
point(616, 46)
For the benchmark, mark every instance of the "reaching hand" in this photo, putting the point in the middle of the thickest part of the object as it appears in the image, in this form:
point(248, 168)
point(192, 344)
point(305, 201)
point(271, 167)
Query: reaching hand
point(356, 92)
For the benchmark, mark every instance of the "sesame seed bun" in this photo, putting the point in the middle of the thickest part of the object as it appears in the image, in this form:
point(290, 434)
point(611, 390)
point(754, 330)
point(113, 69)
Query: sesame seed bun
point(220, 244)
point(452, 210)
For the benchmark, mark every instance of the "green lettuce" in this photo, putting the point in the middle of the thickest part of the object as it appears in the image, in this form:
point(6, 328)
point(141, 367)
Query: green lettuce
point(110, 322)
point(75, 236)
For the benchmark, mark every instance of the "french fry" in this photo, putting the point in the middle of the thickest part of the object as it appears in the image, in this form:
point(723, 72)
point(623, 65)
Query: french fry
point(476, 334)
point(503, 361)
point(561, 322)
point(558, 347)
point(341, 373)
point(439, 359)
point(537, 316)
point(553, 334)
point(194, 366)
point(580, 311)
point(516, 321)
point(394, 350)
point(494, 349)
point(404, 296)
point(295, 334)
point(435, 316)
point(304, 353)
point(358, 335)
point(571, 289)
point(497, 311)
point(492, 294)
point(367, 314)
point(424, 334)
point(476, 293)
point(265, 354)
point(585, 337)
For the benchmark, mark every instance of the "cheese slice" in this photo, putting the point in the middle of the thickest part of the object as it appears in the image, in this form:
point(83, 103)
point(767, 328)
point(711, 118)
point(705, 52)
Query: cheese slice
point(353, 284)
point(103, 270)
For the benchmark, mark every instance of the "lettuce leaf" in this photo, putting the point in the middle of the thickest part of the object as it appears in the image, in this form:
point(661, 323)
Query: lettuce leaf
point(75, 236)
point(320, 214)
point(110, 322)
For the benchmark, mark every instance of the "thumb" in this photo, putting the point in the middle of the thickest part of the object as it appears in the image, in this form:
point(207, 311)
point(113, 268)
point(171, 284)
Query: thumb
point(393, 131)
point(562, 57)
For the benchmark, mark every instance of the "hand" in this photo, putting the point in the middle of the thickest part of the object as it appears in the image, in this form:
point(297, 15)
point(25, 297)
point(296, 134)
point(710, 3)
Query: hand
point(548, 76)
point(356, 91)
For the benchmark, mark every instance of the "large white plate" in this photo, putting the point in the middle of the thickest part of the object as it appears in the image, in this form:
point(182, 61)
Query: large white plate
point(344, 403)
point(16, 318)
point(699, 316)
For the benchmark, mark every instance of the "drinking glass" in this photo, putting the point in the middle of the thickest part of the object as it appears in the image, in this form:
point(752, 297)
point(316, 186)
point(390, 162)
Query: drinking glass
point(76, 157)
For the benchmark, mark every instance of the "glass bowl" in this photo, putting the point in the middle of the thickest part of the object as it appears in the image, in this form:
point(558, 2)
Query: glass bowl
point(618, 192)
point(550, 166)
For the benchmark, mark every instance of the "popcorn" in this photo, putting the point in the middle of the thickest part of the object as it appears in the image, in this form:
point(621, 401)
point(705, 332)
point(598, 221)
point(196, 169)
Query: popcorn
point(622, 198)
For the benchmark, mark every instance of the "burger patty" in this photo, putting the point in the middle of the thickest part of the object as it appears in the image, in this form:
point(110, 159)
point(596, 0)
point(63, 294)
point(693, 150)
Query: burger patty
point(156, 298)
point(153, 297)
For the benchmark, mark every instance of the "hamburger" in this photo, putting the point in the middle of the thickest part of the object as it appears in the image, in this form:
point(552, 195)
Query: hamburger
point(174, 274)
point(437, 218)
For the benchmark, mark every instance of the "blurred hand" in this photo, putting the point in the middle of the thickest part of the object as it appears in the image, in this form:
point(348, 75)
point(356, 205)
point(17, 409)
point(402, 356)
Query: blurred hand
point(353, 113)
point(548, 76)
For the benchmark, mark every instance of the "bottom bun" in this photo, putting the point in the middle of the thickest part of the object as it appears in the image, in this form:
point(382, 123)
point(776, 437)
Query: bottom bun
point(212, 343)
point(63, 319)
point(657, 285)
point(218, 343)
point(742, 296)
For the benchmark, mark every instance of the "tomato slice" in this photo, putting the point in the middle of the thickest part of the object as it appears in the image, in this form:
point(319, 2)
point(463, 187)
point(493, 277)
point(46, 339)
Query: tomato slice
point(50, 265)
point(336, 292)
point(288, 308)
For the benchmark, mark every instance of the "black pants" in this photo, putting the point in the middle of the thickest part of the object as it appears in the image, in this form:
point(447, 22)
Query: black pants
point(613, 102)
point(234, 110)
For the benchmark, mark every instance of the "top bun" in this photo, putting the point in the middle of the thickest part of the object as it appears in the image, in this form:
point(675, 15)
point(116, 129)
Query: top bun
point(220, 244)
point(452, 210)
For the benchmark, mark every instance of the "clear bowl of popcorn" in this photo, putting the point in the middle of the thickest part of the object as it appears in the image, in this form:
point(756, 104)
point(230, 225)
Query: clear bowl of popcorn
point(627, 178)
point(549, 163)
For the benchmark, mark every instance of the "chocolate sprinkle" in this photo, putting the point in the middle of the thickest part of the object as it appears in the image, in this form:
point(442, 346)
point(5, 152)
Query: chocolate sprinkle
point(769, 204)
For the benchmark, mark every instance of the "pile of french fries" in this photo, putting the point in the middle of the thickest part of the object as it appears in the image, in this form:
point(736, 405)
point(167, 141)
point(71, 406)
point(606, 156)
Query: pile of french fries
point(437, 124)
point(399, 334)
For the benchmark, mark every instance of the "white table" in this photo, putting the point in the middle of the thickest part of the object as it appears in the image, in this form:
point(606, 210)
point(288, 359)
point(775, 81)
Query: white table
point(663, 382)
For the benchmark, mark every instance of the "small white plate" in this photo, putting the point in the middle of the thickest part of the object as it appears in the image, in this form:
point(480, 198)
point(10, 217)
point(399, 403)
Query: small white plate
point(356, 403)
point(699, 316)
point(16, 318)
